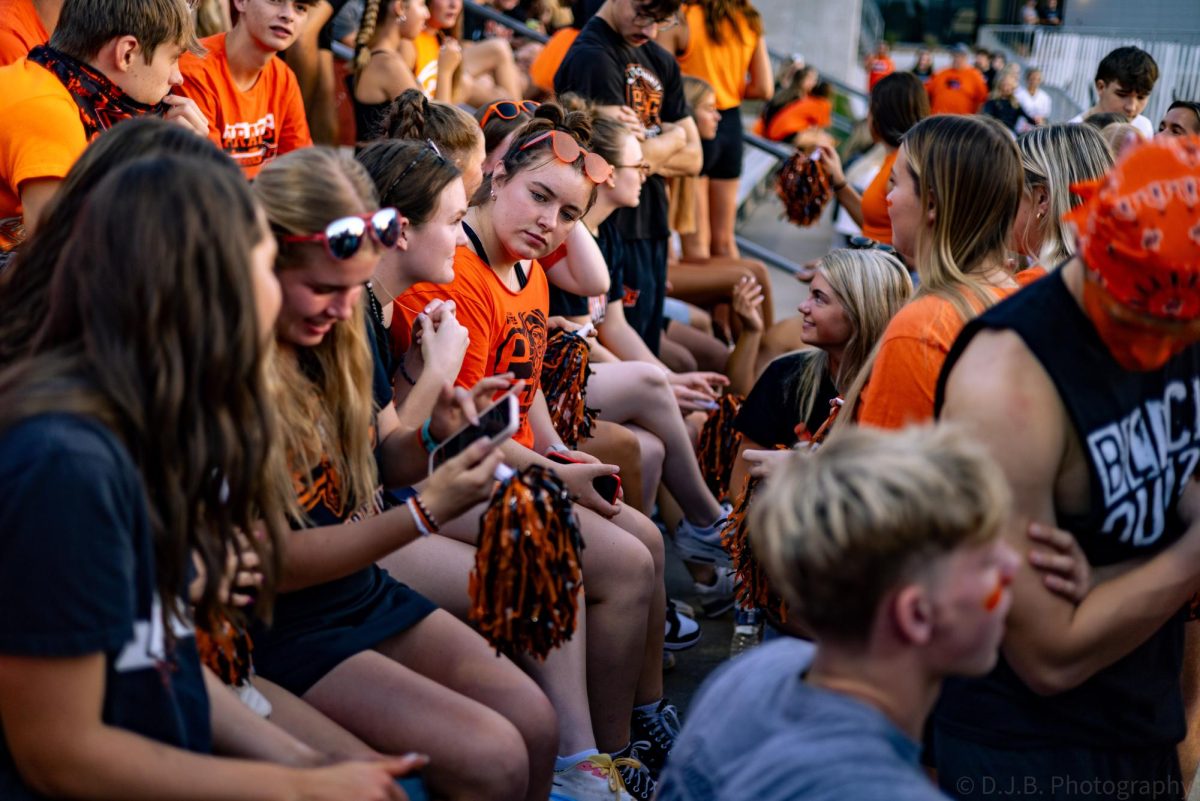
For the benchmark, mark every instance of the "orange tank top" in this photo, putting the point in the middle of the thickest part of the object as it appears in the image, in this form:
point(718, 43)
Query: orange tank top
point(426, 68)
point(877, 223)
point(724, 64)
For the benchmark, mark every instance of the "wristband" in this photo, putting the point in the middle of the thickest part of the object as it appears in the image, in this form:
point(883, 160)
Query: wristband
point(558, 449)
point(427, 440)
point(840, 187)
point(416, 516)
point(430, 521)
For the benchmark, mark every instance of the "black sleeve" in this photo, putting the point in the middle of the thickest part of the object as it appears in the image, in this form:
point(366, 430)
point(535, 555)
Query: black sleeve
point(769, 414)
point(68, 515)
point(609, 241)
point(590, 72)
point(674, 103)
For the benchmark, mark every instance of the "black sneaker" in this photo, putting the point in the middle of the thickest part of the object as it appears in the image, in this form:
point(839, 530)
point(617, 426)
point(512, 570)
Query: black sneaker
point(654, 734)
point(638, 781)
point(681, 632)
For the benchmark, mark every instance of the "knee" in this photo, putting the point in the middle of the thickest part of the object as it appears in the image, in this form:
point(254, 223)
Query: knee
point(646, 533)
point(537, 722)
point(498, 750)
point(653, 451)
point(650, 377)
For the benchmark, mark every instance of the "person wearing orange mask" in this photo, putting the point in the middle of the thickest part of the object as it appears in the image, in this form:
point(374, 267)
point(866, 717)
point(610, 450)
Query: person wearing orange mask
point(1085, 386)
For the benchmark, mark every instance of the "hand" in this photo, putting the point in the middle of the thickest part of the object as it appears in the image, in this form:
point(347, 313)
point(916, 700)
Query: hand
point(700, 381)
point(806, 273)
point(442, 339)
point(626, 116)
point(579, 477)
point(764, 463)
point(183, 111)
point(362, 781)
point(455, 406)
point(747, 303)
point(1061, 562)
point(581, 456)
point(449, 57)
point(243, 571)
point(463, 481)
point(562, 323)
point(833, 163)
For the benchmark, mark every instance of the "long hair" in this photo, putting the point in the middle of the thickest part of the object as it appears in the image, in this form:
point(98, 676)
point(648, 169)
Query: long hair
point(898, 102)
point(791, 88)
point(25, 285)
point(871, 286)
point(1054, 157)
point(424, 175)
point(722, 16)
point(414, 116)
point(152, 329)
point(325, 403)
point(367, 27)
point(548, 117)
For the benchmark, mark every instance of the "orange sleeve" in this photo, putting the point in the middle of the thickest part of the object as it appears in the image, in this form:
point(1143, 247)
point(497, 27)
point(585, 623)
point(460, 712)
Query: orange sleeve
point(12, 47)
point(902, 384)
point(196, 86)
point(45, 145)
point(293, 133)
point(824, 115)
point(547, 62)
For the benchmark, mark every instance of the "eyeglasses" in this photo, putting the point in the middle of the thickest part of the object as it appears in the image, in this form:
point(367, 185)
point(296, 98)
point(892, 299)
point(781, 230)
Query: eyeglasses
point(642, 20)
point(643, 168)
point(344, 236)
point(430, 147)
point(509, 110)
point(568, 151)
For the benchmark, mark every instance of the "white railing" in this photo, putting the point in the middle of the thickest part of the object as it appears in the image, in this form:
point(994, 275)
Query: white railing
point(1068, 58)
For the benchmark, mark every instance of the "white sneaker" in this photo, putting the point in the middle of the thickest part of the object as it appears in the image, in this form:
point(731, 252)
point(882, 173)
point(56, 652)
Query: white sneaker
point(717, 598)
point(701, 544)
point(593, 778)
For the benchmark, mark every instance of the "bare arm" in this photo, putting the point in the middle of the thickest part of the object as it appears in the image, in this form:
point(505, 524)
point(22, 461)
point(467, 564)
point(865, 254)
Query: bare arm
point(686, 161)
point(35, 198)
point(618, 336)
point(761, 85)
point(239, 732)
point(583, 270)
point(1000, 393)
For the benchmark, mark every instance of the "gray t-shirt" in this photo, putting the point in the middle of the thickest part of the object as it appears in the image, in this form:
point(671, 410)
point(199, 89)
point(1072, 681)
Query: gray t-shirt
point(757, 730)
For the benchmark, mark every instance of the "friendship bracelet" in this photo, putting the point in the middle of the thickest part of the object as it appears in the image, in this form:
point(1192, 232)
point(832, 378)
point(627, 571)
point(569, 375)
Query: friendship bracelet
point(416, 516)
point(427, 440)
point(429, 518)
point(404, 372)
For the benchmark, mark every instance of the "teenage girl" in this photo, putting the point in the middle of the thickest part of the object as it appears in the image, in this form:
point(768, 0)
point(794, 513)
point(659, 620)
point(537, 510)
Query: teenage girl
point(381, 71)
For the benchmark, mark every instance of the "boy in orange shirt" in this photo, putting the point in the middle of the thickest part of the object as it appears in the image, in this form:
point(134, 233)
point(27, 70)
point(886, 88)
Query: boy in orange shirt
point(250, 98)
point(106, 62)
point(958, 89)
point(25, 24)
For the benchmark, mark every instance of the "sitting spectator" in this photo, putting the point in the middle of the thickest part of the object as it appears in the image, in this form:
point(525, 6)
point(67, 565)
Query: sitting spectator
point(1050, 15)
point(454, 131)
point(886, 547)
point(1004, 106)
point(489, 68)
point(25, 24)
point(1029, 13)
point(1124, 80)
point(958, 89)
point(983, 63)
point(381, 70)
point(1034, 100)
point(801, 105)
point(1182, 119)
point(106, 62)
point(251, 98)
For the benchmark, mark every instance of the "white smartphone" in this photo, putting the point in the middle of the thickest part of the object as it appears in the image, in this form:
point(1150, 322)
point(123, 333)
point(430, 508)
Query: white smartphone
point(497, 422)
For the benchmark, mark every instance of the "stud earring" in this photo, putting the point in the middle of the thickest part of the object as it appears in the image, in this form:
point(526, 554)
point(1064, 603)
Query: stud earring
point(403, 19)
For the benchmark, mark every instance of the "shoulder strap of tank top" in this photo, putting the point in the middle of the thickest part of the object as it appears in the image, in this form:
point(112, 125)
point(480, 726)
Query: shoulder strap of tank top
point(522, 279)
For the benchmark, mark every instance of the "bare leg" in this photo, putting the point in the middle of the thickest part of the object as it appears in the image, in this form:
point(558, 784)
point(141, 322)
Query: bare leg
point(650, 683)
point(722, 214)
point(299, 719)
point(653, 454)
point(675, 356)
point(710, 353)
point(614, 444)
point(711, 281)
point(495, 57)
point(781, 338)
point(421, 690)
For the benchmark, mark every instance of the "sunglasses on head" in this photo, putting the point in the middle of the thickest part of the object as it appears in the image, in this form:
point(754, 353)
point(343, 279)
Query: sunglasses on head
point(344, 236)
point(509, 110)
point(568, 151)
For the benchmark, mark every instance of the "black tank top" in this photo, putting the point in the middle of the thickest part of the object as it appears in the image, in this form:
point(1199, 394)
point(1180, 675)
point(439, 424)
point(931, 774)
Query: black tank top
point(368, 117)
point(1140, 433)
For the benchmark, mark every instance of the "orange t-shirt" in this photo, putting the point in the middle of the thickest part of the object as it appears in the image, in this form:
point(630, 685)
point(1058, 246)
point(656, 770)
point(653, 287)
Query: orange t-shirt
point(21, 30)
point(426, 68)
point(877, 223)
point(43, 137)
point(878, 68)
point(911, 354)
point(253, 126)
point(507, 329)
point(723, 65)
point(954, 91)
point(799, 115)
point(550, 57)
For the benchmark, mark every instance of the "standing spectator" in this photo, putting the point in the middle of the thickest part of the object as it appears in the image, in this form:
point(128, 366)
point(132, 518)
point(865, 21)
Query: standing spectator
point(1003, 104)
point(1033, 99)
point(923, 68)
point(958, 89)
point(1029, 13)
point(1050, 15)
point(25, 24)
point(251, 98)
point(983, 63)
point(1182, 119)
point(1124, 81)
point(616, 64)
point(879, 65)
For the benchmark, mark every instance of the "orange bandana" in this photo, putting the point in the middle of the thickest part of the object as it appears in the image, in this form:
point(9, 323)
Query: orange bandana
point(1139, 228)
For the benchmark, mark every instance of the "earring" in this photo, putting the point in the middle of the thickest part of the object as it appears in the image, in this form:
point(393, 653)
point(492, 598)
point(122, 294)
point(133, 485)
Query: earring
point(493, 195)
point(403, 18)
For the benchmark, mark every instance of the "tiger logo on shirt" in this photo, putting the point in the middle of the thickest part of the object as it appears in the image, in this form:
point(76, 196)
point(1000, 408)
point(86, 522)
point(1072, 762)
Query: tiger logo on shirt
point(644, 94)
point(520, 352)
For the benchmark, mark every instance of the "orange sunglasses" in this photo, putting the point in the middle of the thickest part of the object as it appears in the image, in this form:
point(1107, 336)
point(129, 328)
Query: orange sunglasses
point(568, 151)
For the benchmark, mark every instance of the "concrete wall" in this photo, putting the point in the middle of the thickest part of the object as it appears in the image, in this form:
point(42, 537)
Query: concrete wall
point(824, 32)
point(1155, 15)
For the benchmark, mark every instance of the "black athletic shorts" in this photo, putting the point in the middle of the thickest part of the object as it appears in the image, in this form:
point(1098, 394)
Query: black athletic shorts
point(723, 155)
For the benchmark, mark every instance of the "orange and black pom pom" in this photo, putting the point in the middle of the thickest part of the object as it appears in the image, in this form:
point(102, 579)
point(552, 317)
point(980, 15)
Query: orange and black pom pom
point(225, 649)
point(527, 579)
point(565, 373)
point(752, 587)
point(803, 186)
point(718, 445)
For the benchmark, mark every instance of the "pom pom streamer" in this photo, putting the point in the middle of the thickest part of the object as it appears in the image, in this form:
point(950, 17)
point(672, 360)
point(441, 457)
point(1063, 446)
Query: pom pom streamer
point(718, 445)
point(565, 373)
point(527, 579)
point(803, 186)
point(225, 649)
point(751, 586)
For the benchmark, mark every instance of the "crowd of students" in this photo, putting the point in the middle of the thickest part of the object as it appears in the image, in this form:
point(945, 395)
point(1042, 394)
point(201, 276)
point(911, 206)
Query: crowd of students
point(229, 569)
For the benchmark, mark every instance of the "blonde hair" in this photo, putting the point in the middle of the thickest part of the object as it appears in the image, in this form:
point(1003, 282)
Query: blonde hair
point(325, 402)
point(838, 529)
point(871, 286)
point(695, 90)
point(1055, 157)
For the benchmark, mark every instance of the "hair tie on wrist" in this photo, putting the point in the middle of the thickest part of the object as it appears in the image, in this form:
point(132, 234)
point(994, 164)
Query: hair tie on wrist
point(427, 440)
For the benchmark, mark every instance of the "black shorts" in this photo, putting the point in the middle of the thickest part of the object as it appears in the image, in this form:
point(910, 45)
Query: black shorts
point(723, 154)
point(645, 280)
point(970, 770)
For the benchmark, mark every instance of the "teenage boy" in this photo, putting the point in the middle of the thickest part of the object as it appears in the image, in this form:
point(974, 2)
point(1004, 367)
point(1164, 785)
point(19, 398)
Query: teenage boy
point(250, 98)
point(886, 547)
point(958, 89)
point(105, 62)
point(25, 24)
point(1085, 387)
point(1124, 81)
point(615, 63)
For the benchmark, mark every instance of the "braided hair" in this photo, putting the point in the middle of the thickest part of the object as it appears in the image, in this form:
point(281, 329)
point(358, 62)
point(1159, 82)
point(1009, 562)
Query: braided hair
point(415, 116)
point(366, 32)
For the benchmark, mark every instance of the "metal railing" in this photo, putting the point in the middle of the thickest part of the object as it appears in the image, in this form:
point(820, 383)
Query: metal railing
point(1068, 57)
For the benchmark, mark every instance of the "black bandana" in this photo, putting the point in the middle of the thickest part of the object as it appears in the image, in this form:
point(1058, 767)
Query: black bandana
point(101, 103)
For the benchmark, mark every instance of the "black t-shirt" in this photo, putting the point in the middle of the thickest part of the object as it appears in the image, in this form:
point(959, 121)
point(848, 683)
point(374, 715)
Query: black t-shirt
point(1139, 432)
point(601, 67)
point(77, 577)
point(770, 412)
point(568, 304)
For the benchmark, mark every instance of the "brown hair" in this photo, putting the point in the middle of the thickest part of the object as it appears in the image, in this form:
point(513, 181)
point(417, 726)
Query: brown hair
point(85, 26)
point(548, 117)
point(898, 102)
point(424, 174)
point(414, 116)
point(739, 14)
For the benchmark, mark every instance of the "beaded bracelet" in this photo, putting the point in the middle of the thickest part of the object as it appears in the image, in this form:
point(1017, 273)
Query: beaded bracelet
point(430, 520)
point(416, 516)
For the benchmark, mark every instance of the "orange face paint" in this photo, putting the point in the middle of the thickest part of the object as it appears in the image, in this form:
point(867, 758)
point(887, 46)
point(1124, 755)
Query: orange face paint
point(992, 602)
